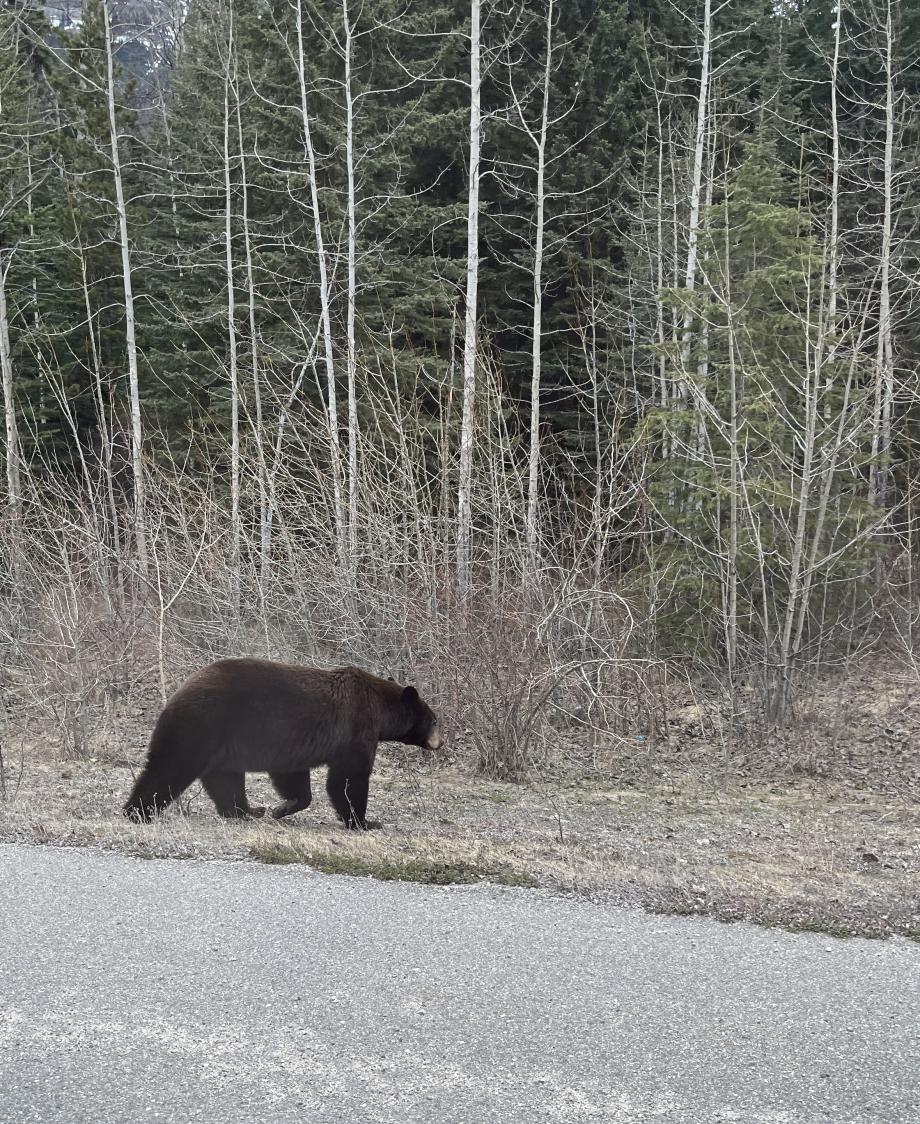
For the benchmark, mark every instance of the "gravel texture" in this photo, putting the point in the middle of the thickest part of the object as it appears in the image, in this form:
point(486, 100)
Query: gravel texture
point(214, 991)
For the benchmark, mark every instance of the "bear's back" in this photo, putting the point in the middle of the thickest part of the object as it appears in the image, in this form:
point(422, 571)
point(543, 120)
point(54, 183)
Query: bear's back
point(260, 715)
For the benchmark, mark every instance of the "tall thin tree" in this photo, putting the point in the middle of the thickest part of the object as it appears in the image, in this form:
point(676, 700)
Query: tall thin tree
point(335, 454)
point(233, 351)
point(137, 435)
point(533, 474)
point(470, 338)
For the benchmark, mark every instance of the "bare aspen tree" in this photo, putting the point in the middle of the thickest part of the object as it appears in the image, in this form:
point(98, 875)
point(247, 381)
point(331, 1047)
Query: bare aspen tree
point(702, 366)
point(587, 331)
point(9, 396)
point(533, 474)
point(464, 491)
point(780, 693)
point(833, 248)
point(528, 92)
point(105, 426)
point(696, 180)
point(884, 353)
point(137, 458)
point(255, 372)
point(350, 342)
point(232, 357)
point(730, 582)
point(335, 455)
point(346, 34)
point(659, 254)
point(849, 422)
point(827, 342)
point(6, 356)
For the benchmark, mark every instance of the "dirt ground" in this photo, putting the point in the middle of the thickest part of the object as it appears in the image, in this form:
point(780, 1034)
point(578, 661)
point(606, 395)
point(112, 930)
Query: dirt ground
point(805, 852)
point(700, 811)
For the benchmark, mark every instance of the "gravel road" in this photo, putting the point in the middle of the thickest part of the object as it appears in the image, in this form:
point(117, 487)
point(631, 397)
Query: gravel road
point(136, 990)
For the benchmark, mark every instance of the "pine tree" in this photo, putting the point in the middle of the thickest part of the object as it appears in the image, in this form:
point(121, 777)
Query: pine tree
point(758, 451)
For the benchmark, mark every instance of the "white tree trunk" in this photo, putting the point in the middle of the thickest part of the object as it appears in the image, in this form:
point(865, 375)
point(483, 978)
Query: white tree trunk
point(351, 351)
point(265, 538)
point(825, 350)
point(700, 396)
point(884, 355)
point(533, 478)
point(335, 455)
point(696, 182)
point(659, 286)
point(233, 359)
point(834, 236)
point(137, 461)
point(788, 652)
point(9, 400)
point(105, 428)
point(464, 496)
point(734, 482)
point(827, 342)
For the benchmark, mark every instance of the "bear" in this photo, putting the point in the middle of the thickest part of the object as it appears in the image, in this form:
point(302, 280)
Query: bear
point(250, 715)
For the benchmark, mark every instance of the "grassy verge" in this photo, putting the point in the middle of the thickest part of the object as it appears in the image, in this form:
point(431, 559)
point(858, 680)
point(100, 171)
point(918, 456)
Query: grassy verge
point(430, 871)
point(808, 856)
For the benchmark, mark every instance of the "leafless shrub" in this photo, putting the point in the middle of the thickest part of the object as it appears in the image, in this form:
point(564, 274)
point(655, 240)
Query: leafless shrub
point(83, 650)
point(530, 665)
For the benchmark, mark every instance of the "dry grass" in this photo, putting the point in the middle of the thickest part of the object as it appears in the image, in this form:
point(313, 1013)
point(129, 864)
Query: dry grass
point(808, 854)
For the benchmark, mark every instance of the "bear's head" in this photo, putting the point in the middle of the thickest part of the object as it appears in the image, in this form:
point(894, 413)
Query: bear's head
point(423, 729)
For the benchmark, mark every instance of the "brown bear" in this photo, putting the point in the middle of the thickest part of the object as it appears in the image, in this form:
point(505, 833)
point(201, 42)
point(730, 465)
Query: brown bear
point(239, 716)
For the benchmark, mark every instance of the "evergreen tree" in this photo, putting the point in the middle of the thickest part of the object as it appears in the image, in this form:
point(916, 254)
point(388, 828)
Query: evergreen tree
point(755, 455)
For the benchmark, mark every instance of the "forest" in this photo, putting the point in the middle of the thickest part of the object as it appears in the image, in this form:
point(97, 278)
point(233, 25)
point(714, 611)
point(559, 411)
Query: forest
point(540, 352)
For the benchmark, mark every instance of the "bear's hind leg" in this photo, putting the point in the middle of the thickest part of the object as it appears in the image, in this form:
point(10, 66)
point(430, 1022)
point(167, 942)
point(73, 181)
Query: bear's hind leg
point(154, 790)
point(228, 791)
point(295, 790)
point(348, 790)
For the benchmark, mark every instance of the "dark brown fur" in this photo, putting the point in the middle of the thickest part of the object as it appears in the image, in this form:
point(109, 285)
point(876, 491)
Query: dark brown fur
point(240, 716)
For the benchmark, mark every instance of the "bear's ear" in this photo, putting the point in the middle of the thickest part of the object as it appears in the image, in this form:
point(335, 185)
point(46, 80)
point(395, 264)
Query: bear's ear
point(410, 696)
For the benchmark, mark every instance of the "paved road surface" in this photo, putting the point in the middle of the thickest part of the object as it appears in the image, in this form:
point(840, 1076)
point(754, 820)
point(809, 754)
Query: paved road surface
point(235, 992)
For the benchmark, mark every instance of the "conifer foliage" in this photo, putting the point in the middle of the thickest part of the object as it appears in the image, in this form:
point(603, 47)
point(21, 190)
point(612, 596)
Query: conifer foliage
point(239, 251)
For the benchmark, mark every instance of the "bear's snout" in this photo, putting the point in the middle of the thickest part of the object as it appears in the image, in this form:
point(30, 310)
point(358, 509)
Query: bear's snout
point(435, 741)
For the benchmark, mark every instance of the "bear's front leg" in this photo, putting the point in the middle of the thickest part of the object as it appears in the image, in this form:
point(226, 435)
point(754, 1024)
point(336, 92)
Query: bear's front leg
point(348, 790)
